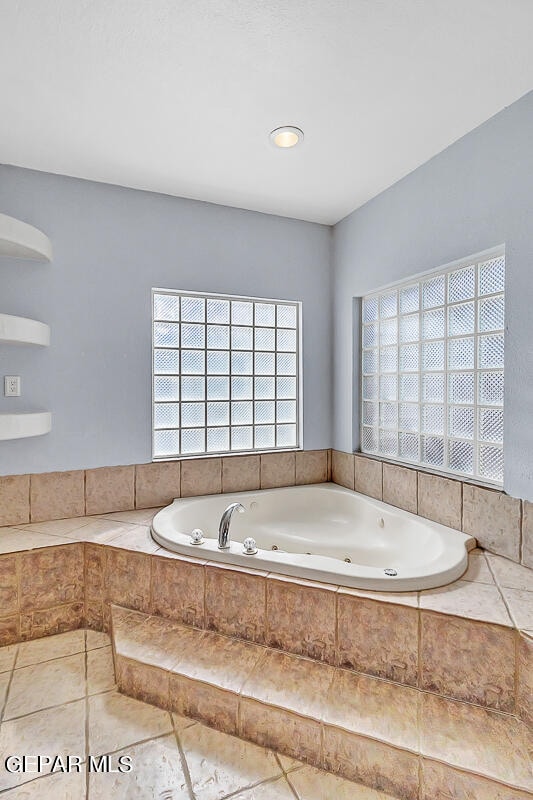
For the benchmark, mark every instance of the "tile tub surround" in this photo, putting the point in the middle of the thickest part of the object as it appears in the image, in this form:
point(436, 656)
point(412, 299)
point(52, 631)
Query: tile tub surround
point(61, 495)
point(501, 524)
point(376, 732)
point(459, 641)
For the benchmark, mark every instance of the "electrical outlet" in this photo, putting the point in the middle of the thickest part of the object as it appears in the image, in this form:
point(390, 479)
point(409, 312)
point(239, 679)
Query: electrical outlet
point(12, 386)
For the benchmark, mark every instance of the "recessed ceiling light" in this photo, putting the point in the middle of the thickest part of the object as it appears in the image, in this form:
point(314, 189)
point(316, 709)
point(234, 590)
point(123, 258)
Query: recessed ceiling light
point(286, 136)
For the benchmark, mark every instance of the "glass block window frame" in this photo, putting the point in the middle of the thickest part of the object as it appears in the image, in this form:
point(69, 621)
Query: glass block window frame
point(432, 370)
point(226, 374)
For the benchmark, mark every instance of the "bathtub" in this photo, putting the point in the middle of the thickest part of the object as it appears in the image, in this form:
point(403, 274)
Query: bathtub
point(321, 532)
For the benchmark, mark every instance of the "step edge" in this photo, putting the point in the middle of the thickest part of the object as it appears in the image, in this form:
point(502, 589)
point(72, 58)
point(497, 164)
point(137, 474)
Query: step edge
point(423, 757)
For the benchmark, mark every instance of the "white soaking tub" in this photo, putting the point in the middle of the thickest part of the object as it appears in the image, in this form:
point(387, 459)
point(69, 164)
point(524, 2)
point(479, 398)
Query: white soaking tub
point(321, 532)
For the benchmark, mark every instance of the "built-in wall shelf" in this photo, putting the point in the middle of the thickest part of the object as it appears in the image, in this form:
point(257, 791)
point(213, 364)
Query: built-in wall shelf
point(19, 426)
point(19, 330)
point(20, 240)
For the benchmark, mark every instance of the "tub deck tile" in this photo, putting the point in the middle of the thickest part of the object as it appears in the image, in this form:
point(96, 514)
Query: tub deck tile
point(468, 600)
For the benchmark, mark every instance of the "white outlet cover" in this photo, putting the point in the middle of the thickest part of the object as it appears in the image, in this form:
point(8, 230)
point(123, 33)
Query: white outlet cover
point(12, 386)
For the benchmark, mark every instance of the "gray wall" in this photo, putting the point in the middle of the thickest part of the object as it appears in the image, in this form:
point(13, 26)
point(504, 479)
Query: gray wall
point(475, 195)
point(111, 245)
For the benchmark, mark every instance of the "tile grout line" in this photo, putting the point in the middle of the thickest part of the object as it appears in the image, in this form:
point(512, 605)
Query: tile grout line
point(8, 688)
point(57, 658)
point(462, 505)
point(183, 760)
point(50, 708)
point(243, 789)
point(497, 584)
point(521, 533)
point(291, 787)
point(469, 773)
point(419, 701)
point(26, 783)
point(516, 635)
point(30, 514)
point(86, 726)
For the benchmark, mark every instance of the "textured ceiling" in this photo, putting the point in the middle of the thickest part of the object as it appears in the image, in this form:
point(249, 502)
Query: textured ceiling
point(179, 97)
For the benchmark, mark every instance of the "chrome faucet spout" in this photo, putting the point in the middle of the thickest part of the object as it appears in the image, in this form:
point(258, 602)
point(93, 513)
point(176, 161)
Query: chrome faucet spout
point(225, 521)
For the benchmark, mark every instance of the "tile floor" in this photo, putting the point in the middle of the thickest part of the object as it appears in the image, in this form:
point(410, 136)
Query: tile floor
point(58, 698)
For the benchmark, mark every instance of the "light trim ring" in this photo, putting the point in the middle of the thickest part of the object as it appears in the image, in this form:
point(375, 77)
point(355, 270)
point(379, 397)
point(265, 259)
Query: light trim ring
point(286, 136)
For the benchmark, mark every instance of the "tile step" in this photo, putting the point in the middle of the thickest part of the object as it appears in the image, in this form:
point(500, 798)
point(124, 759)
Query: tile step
point(410, 743)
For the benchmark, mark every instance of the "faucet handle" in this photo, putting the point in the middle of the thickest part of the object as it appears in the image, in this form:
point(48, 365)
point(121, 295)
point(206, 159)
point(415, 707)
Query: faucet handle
point(197, 536)
point(249, 545)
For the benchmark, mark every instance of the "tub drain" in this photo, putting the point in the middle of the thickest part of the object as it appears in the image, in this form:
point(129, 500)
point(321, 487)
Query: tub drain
point(275, 547)
point(348, 560)
point(390, 572)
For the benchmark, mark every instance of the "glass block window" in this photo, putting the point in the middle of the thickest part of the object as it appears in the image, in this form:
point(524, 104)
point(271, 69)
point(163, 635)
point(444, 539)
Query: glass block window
point(433, 370)
point(226, 374)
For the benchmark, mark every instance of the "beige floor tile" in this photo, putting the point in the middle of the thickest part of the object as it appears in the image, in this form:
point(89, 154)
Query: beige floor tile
point(70, 786)
point(478, 569)
point(50, 647)
point(476, 739)
point(13, 541)
point(313, 784)
point(141, 517)
point(7, 657)
point(180, 723)
point(220, 764)
point(156, 774)
point(100, 670)
point(116, 721)
point(511, 575)
point(467, 599)
point(4, 683)
point(289, 763)
point(50, 683)
point(97, 639)
point(273, 790)
point(520, 605)
point(55, 731)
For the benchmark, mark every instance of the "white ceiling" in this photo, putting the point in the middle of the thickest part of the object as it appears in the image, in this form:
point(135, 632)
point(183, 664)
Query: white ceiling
point(179, 96)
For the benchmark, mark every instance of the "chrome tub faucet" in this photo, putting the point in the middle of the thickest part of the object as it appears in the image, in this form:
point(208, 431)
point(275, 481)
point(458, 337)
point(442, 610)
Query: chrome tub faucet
point(225, 521)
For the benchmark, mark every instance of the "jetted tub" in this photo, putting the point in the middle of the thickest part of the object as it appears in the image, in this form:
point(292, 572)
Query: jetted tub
point(320, 532)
